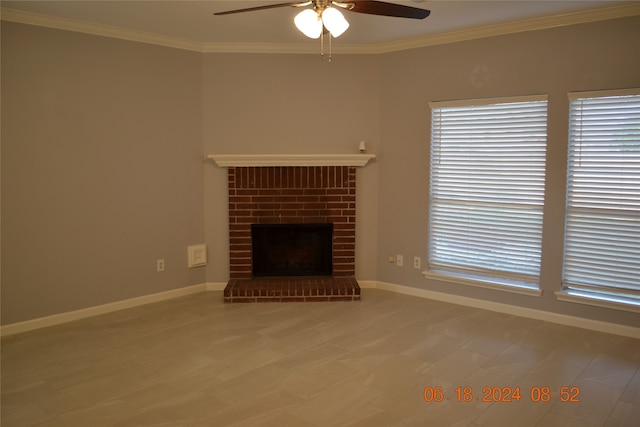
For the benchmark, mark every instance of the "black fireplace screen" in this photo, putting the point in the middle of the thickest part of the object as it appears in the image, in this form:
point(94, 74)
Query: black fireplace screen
point(292, 249)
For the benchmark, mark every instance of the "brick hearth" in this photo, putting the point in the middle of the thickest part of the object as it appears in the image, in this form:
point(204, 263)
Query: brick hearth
point(292, 289)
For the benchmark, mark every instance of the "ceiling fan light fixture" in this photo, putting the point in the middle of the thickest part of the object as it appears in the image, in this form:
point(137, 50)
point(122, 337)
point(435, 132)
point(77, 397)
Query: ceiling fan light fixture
point(335, 22)
point(309, 23)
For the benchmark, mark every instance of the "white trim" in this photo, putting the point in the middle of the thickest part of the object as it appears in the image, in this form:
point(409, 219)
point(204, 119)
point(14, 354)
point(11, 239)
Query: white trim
point(30, 18)
point(56, 319)
point(367, 284)
point(522, 290)
point(283, 48)
point(575, 297)
point(572, 18)
point(245, 160)
point(215, 286)
point(533, 24)
point(562, 319)
point(604, 93)
point(488, 101)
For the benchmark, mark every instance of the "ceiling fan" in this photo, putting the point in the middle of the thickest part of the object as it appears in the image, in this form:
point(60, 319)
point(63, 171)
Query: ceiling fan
point(324, 16)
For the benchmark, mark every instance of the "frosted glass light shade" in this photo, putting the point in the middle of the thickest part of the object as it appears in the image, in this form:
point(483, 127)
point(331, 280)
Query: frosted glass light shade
point(334, 21)
point(309, 23)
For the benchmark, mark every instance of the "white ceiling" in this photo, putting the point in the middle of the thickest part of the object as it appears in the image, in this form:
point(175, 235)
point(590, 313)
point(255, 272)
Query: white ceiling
point(193, 21)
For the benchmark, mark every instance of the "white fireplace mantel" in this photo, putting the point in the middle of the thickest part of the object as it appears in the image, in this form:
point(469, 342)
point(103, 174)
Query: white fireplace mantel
point(245, 160)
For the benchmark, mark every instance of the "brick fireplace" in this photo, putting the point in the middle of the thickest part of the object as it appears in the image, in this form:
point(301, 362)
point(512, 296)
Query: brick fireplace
point(292, 194)
point(288, 195)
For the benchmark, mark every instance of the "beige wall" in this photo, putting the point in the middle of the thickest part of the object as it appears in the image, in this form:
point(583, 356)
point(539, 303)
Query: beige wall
point(101, 170)
point(289, 104)
point(602, 55)
point(103, 143)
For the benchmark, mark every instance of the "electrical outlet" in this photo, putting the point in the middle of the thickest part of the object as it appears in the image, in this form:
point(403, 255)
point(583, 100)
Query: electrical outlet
point(416, 262)
point(160, 265)
point(399, 260)
point(392, 259)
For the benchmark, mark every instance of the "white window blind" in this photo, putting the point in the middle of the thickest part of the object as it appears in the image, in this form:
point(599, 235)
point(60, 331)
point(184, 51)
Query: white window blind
point(487, 189)
point(602, 228)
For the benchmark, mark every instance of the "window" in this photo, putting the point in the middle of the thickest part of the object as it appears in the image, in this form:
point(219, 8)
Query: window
point(602, 228)
point(487, 173)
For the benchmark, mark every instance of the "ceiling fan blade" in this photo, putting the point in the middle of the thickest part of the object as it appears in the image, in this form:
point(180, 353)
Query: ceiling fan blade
point(268, 6)
point(387, 9)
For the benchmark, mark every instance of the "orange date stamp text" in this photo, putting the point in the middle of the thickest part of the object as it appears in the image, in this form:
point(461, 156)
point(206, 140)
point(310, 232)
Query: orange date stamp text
point(503, 394)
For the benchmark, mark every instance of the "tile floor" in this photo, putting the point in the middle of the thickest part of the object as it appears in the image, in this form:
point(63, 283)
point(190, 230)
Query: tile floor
point(195, 361)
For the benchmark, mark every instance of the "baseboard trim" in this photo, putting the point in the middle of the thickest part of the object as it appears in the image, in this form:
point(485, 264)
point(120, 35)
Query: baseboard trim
point(56, 319)
point(367, 284)
point(215, 286)
point(562, 319)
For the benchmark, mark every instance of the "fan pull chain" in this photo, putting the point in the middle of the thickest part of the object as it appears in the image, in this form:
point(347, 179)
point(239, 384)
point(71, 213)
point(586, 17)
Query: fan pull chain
point(322, 47)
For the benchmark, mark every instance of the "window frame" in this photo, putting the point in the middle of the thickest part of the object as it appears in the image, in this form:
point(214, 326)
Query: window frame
point(580, 292)
point(503, 281)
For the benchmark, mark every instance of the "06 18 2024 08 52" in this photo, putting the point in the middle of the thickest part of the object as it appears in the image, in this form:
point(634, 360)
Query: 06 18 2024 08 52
point(504, 394)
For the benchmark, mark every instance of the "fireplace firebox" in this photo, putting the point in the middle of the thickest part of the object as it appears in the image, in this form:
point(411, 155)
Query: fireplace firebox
point(292, 249)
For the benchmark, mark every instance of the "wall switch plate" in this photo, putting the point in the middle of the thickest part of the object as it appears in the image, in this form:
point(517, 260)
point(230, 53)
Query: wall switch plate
point(197, 255)
point(399, 260)
point(160, 265)
point(417, 262)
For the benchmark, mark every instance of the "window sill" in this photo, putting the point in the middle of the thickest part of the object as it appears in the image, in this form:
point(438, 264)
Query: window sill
point(587, 298)
point(497, 284)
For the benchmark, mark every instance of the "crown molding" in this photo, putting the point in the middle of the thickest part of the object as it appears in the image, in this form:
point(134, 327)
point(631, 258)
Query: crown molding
point(30, 18)
point(573, 18)
point(259, 48)
point(533, 24)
